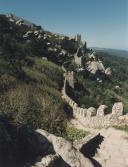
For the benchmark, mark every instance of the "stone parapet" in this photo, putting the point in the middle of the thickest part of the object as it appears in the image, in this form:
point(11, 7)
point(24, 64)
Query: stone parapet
point(99, 118)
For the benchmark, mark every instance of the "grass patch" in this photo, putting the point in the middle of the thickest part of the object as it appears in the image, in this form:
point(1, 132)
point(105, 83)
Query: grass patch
point(124, 128)
point(73, 134)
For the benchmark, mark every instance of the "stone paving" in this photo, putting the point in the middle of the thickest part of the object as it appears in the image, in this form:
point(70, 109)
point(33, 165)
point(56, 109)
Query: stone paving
point(113, 151)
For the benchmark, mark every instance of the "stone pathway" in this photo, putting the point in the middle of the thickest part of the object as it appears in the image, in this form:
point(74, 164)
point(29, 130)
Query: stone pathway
point(113, 151)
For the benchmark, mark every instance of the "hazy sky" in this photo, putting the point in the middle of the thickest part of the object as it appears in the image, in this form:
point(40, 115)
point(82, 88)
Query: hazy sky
point(102, 23)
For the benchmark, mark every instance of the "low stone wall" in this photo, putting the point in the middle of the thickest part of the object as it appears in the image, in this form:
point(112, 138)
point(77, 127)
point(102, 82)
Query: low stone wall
point(99, 118)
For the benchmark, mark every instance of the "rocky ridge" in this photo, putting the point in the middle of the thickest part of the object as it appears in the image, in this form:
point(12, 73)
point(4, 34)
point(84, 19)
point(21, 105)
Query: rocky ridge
point(57, 44)
point(67, 154)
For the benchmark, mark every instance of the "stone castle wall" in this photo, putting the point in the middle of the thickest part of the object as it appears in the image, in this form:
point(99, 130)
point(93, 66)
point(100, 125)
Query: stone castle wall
point(99, 118)
point(70, 78)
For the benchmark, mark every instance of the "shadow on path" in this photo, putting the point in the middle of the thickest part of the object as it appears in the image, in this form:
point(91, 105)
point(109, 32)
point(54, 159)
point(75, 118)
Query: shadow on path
point(90, 149)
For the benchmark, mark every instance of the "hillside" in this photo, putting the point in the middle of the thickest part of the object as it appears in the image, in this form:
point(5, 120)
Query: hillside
point(33, 63)
point(111, 90)
point(30, 95)
point(114, 52)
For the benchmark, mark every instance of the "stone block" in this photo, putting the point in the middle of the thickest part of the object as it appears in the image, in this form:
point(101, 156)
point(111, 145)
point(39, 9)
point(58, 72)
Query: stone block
point(91, 112)
point(75, 105)
point(81, 111)
point(102, 110)
point(84, 112)
point(117, 109)
point(78, 110)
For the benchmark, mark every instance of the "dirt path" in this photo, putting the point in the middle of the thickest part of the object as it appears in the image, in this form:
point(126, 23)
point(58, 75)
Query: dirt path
point(113, 151)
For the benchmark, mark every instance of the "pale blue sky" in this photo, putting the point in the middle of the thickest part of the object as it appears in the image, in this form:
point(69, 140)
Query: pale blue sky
point(102, 23)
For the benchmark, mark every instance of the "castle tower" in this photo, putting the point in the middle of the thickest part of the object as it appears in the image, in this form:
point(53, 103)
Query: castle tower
point(78, 57)
point(78, 38)
point(70, 78)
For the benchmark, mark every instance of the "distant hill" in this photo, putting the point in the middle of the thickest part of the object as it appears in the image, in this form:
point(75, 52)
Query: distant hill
point(115, 52)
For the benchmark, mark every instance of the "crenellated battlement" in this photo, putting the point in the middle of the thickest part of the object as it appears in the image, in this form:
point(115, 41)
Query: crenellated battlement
point(96, 118)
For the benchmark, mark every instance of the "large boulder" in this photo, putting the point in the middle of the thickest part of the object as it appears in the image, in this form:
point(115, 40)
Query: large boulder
point(108, 72)
point(94, 66)
point(65, 149)
point(92, 55)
